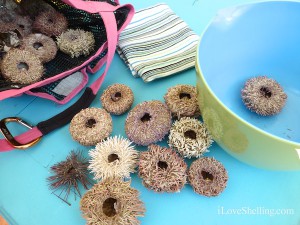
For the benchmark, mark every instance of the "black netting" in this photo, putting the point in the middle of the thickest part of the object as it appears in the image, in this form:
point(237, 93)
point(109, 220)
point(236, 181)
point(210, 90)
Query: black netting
point(81, 20)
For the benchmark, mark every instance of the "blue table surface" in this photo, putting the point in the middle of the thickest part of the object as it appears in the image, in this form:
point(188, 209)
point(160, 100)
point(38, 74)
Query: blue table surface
point(259, 194)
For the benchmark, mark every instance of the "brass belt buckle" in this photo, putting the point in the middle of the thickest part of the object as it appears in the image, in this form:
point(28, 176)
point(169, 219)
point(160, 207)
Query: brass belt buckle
point(10, 138)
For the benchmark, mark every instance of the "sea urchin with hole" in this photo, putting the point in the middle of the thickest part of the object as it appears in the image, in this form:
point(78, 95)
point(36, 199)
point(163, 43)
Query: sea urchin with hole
point(112, 202)
point(264, 96)
point(113, 157)
point(182, 101)
point(41, 45)
point(76, 42)
point(148, 122)
point(20, 66)
point(90, 126)
point(162, 170)
point(189, 137)
point(50, 23)
point(208, 176)
point(117, 99)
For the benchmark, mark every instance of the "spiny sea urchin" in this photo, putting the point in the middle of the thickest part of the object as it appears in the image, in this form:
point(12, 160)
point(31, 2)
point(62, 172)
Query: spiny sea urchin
point(114, 157)
point(68, 174)
point(264, 96)
point(76, 42)
point(41, 45)
point(50, 23)
point(182, 101)
point(162, 170)
point(112, 202)
point(20, 66)
point(189, 137)
point(208, 176)
point(90, 126)
point(117, 99)
point(148, 122)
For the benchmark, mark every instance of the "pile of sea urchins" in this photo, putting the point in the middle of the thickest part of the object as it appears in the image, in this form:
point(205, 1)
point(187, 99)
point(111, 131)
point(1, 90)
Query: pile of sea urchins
point(31, 33)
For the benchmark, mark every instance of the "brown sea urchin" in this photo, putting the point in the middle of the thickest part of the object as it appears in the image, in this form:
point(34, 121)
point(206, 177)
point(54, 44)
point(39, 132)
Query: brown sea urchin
point(112, 202)
point(208, 176)
point(23, 25)
point(114, 157)
point(117, 99)
point(189, 137)
point(20, 66)
point(148, 122)
point(90, 126)
point(76, 42)
point(41, 45)
point(182, 101)
point(68, 174)
point(162, 170)
point(50, 23)
point(263, 95)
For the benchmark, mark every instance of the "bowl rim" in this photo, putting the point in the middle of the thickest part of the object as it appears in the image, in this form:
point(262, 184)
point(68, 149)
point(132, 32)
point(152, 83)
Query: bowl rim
point(200, 74)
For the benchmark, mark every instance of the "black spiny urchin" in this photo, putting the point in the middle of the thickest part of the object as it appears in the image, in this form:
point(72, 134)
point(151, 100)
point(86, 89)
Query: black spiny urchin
point(68, 174)
point(263, 95)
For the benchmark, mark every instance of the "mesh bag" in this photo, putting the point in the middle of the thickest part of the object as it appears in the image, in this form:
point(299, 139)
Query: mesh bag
point(80, 15)
point(106, 20)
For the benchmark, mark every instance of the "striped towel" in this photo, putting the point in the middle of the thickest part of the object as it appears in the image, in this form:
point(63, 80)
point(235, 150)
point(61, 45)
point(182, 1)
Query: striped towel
point(157, 43)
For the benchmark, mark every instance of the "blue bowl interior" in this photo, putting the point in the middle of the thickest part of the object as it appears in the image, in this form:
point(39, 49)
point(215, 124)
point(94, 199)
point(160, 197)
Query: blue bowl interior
point(247, 41)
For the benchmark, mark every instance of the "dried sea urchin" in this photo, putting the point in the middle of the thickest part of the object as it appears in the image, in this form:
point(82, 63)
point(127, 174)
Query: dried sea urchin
point(148, 122)
point(208, 176)
point(34, 7)
point(114, 157)
point(182, 101)
point(50, 23)
point(263, 95)
point(90, 126)
point(41, 45)
point(162, 170)
point(68, 174)
point(20, 66)
point(112, 202)
point(76, 42)
point(117, 99)
point(189, 137)
point(23, 25)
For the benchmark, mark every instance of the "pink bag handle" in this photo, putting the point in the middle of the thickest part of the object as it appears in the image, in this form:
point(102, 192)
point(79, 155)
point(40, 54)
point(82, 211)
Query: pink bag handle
point(91, 6)
point(45, 127)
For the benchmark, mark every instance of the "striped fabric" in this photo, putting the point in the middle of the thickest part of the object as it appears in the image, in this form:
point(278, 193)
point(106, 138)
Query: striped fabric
point(157, 43)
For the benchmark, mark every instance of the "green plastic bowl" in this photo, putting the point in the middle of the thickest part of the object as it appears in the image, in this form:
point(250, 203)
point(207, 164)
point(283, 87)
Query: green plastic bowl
point(243, 42)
